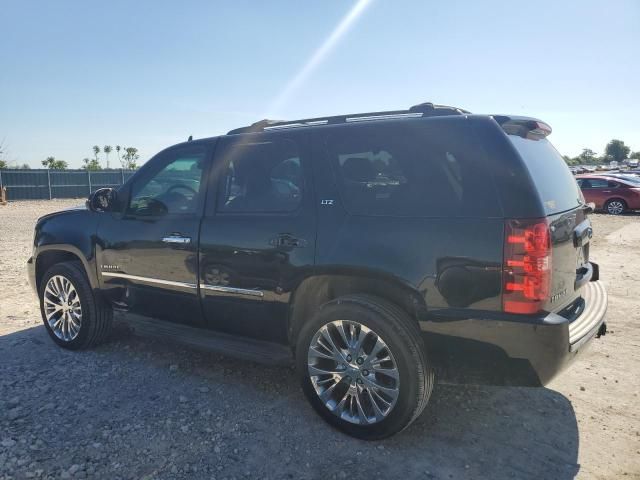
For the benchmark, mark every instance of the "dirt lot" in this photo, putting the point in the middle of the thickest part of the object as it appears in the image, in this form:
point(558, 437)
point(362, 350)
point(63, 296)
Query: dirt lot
point(136, 408)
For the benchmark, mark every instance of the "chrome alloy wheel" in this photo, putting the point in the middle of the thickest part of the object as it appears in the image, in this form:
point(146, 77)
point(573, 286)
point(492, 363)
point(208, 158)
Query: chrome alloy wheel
point(353, 372)
point(62, 308)
point(615, 207)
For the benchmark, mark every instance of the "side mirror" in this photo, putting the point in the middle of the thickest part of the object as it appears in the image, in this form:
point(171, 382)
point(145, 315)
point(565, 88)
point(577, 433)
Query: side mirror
point(102, 200)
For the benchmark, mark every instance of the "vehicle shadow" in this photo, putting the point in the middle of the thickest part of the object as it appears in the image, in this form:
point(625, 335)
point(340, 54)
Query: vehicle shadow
point(136, 406)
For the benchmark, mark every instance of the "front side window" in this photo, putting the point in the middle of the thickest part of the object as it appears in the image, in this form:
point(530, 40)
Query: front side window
point(261, 177)
point(593, 183)
point(174, 189)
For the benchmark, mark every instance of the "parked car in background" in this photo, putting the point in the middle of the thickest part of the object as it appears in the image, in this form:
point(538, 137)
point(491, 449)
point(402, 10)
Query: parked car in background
point(633, 163)
point(612, 193)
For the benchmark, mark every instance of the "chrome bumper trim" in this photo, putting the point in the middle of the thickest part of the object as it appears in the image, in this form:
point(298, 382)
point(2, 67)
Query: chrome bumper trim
point(595, 297)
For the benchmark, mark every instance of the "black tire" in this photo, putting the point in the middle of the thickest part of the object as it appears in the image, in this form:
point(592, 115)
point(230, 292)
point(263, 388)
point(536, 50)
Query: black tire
point(403, 339)
point(96, 314)
point(612, 206)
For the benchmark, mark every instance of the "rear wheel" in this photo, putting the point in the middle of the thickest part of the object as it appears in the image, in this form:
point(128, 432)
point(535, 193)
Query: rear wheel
point(615, 206)
point(73, 317)
point(363, 366)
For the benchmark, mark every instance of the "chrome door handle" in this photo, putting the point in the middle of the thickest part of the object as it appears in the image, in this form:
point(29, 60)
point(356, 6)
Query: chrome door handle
point(175, 238)
point(286, 240)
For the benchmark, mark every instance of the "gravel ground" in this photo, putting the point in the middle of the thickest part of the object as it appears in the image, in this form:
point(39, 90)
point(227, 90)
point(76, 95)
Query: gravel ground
point(137, 408)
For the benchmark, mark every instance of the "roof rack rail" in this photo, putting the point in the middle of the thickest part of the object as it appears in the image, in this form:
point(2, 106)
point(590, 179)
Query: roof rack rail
point(426, 109)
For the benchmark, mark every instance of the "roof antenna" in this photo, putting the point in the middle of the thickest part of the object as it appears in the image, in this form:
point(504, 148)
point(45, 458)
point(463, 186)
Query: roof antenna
point(190, 138)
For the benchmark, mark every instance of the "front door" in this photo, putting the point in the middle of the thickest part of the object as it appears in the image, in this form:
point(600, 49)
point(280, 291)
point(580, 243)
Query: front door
point(147, 254)
point(257, 238)
point(595, 190)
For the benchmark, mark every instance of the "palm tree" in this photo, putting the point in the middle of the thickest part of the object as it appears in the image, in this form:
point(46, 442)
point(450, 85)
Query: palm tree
point(107, 150)
point(96, 151)
point(118, 152)
point(130, 157)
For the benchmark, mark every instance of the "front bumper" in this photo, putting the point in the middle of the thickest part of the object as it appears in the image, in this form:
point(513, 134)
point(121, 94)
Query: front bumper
point(514, 350)
point(31, 273)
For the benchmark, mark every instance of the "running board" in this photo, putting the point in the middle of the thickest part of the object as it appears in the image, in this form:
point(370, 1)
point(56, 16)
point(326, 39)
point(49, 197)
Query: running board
point(239, 347)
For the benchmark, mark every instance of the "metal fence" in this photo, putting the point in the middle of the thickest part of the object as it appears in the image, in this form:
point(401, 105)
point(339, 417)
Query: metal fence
point(47, 184)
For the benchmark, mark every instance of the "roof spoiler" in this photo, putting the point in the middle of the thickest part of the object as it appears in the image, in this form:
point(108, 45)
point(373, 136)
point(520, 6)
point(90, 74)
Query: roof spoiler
point(524, 127)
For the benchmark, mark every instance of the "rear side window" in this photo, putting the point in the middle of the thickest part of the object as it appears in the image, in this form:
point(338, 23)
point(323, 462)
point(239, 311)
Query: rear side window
point(594, 183)
point(411, 168)
point(551, 175)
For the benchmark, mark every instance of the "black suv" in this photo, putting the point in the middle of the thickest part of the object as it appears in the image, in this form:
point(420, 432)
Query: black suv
point(376, 250)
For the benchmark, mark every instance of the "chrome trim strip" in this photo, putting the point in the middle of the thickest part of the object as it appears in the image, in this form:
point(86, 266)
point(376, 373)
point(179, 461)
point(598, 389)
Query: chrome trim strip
point(150, 280)
point(297, 125)
point(239, 291)
point(282, 127)
point(384, 117)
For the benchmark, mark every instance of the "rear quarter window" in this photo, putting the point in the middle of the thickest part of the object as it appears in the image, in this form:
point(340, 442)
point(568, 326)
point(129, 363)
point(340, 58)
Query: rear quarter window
point(550, 174)
point(416, 168)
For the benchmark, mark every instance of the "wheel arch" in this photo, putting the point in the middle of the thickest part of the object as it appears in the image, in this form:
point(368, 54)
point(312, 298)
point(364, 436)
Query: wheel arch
point(318, 289)
point(49, 255)
point(615, 198)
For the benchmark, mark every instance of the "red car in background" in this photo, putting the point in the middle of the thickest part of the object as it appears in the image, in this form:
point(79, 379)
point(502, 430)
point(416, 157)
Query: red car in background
point(613, 194)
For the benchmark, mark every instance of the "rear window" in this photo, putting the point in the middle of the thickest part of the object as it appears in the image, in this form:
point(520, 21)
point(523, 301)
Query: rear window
point(411, 168)
point(629, 180)
point(551, 175)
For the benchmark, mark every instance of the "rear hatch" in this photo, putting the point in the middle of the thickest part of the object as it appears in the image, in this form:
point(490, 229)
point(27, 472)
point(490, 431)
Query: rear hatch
point(566, 214)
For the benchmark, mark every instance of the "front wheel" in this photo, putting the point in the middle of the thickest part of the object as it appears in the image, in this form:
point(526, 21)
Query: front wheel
point(73, 317)
point(615, 206)
point(363, 366)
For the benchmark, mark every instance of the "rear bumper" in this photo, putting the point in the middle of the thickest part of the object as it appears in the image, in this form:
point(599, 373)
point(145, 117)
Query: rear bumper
point(589, 323)
point(511, 350)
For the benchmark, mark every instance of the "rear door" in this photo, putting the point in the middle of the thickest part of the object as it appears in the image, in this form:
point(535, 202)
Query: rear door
point(258, 234)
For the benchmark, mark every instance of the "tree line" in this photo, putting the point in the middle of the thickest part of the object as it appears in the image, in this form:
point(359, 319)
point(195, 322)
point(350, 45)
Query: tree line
point(128, 160)
point(4, 163)
point(615, 150)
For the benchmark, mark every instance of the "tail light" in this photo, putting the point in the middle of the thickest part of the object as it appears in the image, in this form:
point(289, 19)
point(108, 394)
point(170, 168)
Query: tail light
point(527, 265)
